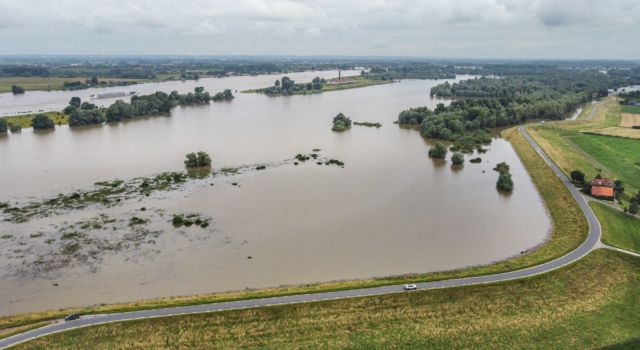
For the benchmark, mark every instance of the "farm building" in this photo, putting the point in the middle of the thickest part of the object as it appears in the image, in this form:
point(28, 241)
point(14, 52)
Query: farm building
point(603, 188)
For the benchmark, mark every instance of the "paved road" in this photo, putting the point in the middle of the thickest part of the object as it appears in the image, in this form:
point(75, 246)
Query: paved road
point(592, 240)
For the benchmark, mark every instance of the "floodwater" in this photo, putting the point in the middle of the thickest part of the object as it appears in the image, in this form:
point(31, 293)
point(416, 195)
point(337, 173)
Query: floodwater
point(391, 210)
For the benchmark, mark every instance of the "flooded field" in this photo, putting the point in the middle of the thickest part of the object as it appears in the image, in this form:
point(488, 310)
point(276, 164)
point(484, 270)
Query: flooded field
point(390, 210)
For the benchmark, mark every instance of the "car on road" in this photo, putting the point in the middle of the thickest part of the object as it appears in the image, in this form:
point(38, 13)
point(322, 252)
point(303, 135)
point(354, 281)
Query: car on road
point(411, 286)
point(72, 317)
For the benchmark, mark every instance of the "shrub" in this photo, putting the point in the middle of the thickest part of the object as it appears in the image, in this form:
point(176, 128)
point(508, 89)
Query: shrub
point(197, 160)
point(577, 176)
point(504, 182)
point(15, 128)
point(3, 126)
point(634, 208)
point(15, 89)
point(502, 167)
point(438, 151)
point(341, 123)
point(475, 160)
point(42, 122)
point(457, 158)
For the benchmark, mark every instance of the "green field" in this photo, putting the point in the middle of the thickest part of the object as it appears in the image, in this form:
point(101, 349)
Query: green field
point(631, 109)
point(620, 155)
point(618, 229)
point(47, 83)
point(571, 148)
point(24, 120)
point(590, 304)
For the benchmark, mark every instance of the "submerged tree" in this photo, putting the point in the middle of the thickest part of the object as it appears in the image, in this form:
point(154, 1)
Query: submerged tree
point(197, 160)
point(42, 122)
point(3, 126)
point(438, 151)
point(457, 158)
point(341, 123)
point(504, 182)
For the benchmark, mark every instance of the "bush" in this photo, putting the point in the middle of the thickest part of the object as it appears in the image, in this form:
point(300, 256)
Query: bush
point(82, 117)
point(457, 158)
point(438, 151)
point(502, 167)
point(634, 208)
point(341, 123)
point(475, 160)
point(504, 182)
point(42, 122)
point(15, 89)
point(15, 128)
point(3, 126)
point(197, 160)
point(577, 176)
point(225, 95)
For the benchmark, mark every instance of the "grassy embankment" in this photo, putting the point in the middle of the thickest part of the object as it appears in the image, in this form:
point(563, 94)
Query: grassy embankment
point(592, 303)
point(48, 83)
point(569, 230)
point(618, 229)
point(358, 83)
point(24, 120)
point(572, 146)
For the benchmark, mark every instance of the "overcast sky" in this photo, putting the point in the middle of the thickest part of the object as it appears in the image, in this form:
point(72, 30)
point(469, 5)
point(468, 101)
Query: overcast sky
point(444, 28)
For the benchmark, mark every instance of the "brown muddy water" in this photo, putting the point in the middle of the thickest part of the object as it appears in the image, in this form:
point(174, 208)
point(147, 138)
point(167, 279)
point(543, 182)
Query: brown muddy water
point(391, 210)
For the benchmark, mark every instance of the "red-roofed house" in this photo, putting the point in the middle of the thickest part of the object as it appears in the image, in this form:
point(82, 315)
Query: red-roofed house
point(603, 188)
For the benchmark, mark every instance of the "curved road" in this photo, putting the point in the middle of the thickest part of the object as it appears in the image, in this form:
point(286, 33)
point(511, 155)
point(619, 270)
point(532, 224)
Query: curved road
point(590, 243)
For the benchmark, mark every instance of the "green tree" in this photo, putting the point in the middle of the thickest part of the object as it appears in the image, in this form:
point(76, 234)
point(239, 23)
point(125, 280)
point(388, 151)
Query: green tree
point(3, 126)
point(504, 182)
point(457, 158)
point(341, 123)
point(94, 80)
point(197, 160)
point(75, 101)
point(42, 122)
point(438, 151)
point(577, 176)
point(634, 208)
point(16, 90)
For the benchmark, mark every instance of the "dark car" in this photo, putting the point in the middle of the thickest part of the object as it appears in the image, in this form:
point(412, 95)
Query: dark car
point(72, 317)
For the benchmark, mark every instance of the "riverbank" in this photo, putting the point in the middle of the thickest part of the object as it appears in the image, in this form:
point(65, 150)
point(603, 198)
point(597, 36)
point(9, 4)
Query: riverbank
point(58, 83)
point(592, 303)
point(569, 230)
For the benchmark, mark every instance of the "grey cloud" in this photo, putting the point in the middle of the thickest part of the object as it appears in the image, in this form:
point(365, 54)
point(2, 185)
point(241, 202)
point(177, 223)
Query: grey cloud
point(479, 28)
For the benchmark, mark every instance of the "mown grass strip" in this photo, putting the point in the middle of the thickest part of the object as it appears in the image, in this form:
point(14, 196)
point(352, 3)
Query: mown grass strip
point(618, 229)
point(592, 303)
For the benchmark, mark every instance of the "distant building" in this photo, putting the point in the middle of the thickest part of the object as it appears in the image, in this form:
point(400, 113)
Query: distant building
point(603, 188)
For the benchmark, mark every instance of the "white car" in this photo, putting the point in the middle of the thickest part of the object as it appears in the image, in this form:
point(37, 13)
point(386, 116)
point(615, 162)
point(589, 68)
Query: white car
point(411, 286)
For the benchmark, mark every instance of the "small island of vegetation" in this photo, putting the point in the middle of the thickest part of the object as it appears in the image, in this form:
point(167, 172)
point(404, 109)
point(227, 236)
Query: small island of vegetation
point(225, 95)
point(197, 160)
point(341, 123)
point(438, 151)
point(457, 158)
point(368, 124)
point(286, 86)
point(504, 183)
